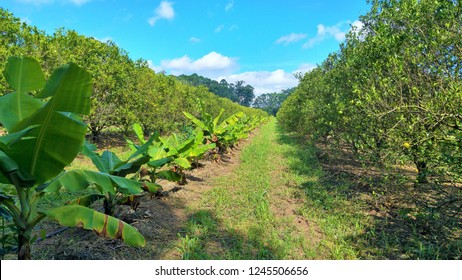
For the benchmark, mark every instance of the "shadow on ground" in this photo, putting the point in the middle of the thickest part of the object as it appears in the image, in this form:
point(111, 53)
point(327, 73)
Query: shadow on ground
point(402, 220)
point(205, 237)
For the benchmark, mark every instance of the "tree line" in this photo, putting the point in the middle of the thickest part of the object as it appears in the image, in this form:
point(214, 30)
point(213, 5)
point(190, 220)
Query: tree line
point(125, 91)
point(237, 92)
point(393, 91)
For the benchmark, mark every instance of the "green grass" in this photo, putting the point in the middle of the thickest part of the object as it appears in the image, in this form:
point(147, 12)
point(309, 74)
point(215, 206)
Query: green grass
point(241, 218)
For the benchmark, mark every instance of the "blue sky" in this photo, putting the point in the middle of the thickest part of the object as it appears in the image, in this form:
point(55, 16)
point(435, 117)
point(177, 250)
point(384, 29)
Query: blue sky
point(261, 42)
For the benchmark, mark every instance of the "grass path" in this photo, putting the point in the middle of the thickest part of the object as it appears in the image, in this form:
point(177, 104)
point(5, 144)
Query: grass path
point(273, 206)
point(271, 199)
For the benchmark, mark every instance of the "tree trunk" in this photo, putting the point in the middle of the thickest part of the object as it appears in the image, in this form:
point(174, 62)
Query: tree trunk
point(24, 246)
point(95, 132)
point(422, 171)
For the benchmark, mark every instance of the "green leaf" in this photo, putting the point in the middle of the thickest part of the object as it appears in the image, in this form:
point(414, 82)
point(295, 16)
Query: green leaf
point(160, 162)
point(89, 151)
point(7, 165)
point(104, 225)
point(196, 121)
point(151, 187)
point(183, 163)
point(5, 214)
point(77, 180)
point(57, 138)
point(15, 107)
point(215, 121)
point(11, 174)
point(11, 138)
point(169, 175)
point(199, 136)
point(139, 132)
point(131, 167)
point(24, 74)
point(110, 161)
point(143, 149)
point(199, 151)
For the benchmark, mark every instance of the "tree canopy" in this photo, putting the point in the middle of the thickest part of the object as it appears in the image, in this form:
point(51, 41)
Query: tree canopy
point(393, 91)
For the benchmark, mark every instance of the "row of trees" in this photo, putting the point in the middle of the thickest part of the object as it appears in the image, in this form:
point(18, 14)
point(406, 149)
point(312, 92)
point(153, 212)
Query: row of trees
point(271, 102)
point(393, 90)
point(124, 91)
point(237, 92)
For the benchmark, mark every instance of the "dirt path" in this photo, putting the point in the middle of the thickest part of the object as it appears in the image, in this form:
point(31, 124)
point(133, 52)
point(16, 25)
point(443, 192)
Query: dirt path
point(160, 220)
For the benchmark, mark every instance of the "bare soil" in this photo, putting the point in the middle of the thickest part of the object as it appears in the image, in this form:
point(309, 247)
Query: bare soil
point(160, 219)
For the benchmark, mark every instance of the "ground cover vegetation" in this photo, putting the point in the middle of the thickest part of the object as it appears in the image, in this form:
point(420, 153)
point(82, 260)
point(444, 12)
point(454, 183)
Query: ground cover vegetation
point(391, 98)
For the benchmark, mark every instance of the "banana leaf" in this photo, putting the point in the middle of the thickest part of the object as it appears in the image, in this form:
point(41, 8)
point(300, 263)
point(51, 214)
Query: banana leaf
point(102, 224)
point(23, 75)
point(77, 180)
point(57, 136)
point(169, 175)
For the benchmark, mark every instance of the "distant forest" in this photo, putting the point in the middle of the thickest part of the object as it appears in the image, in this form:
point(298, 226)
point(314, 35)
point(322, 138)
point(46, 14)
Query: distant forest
point(239, 92)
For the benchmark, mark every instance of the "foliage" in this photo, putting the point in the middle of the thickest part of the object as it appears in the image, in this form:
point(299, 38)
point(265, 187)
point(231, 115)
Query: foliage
point(177, 151)
point(219, 133)
point(45, 133)
point(115, 189)
point(236, 92)
point(394, 89)
point(271, 102)
point(222, 88)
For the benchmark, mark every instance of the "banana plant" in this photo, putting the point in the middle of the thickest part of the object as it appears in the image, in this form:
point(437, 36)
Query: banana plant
point(198, 149)
point(44, 134)
point(185, 152)
point(215, 132)
point(115, 189)
point(159, 157)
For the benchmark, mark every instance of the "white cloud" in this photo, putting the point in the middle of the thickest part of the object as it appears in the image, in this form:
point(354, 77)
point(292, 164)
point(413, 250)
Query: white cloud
point(357, 28)
point(306, 67)
point(291, 38)
point(229, 6)
point(219, 28)
point(163, 11)
point(357, 25)
point(337, 31)
point(211, 65)
point(269, 81)
point(217, 66)
point(194, 40)
point(326, 32)
point(154, 67)
point(264, 81)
